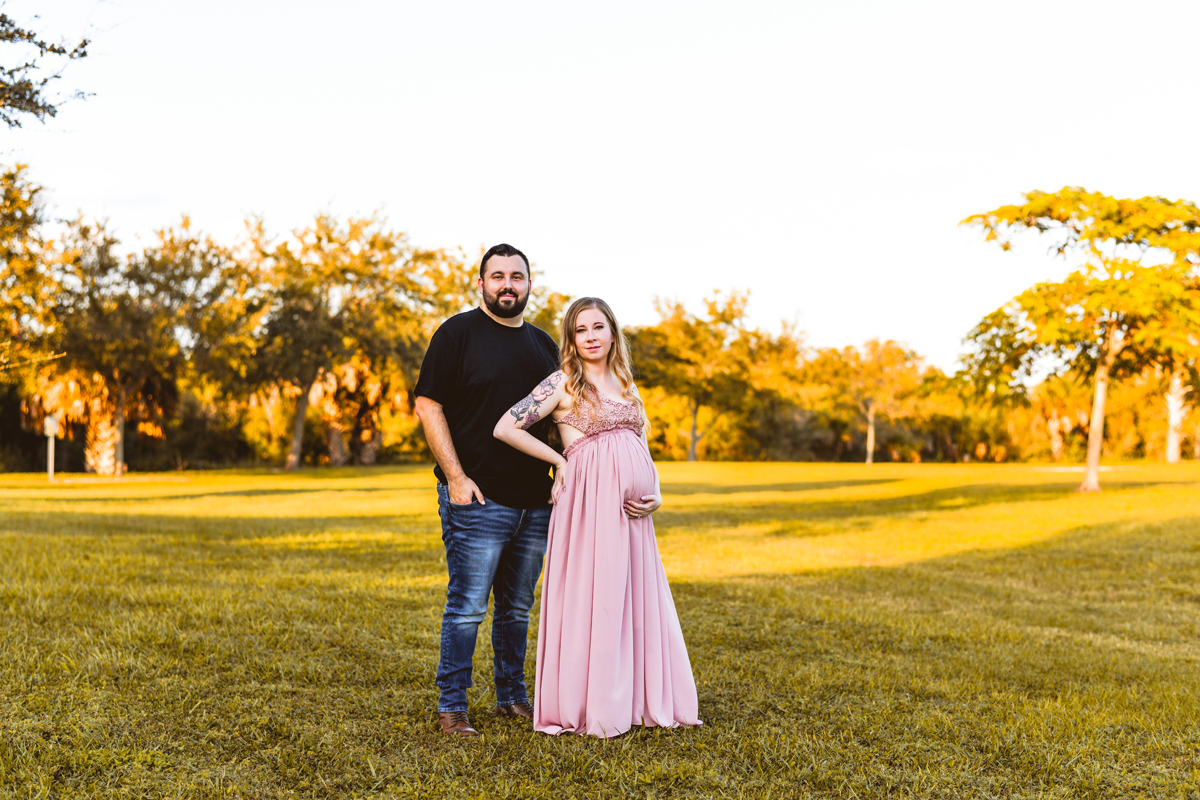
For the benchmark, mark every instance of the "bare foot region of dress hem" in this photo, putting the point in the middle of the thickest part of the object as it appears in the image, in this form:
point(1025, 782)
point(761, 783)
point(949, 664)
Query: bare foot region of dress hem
point(556, 731)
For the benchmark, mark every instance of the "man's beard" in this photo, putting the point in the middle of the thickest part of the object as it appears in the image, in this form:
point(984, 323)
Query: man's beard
point(505, 305)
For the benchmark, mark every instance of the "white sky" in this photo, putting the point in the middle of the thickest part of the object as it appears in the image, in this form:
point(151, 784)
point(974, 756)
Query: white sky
point(817, 154)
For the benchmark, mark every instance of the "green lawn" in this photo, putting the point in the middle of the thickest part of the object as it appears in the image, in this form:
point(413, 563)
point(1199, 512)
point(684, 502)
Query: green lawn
point(886, 631)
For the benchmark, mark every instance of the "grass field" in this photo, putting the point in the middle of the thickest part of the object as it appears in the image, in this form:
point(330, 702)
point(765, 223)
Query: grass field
point(892, 631)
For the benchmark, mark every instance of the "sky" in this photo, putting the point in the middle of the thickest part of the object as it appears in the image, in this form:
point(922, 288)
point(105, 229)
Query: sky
point(818, 155)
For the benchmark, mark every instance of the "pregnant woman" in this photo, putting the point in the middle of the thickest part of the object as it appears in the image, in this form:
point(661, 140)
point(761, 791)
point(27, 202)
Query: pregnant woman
point(610, 651)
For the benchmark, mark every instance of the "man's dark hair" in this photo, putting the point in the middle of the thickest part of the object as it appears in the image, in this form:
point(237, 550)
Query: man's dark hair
point(503, 250)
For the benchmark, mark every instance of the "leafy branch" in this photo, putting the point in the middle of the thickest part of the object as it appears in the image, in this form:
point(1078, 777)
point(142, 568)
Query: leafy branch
point(23, 87)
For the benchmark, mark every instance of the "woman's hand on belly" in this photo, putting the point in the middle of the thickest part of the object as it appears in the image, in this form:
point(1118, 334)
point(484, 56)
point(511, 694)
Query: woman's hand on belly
point(636, 509)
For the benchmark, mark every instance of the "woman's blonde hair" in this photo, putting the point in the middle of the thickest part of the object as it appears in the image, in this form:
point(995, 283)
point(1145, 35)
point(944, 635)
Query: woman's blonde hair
point(572, 362)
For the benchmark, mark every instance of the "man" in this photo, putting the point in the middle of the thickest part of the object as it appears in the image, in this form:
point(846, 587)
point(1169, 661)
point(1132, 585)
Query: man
point(494, 501)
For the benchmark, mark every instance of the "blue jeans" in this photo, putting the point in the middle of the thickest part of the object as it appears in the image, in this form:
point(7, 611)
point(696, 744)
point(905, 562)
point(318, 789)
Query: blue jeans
point(489, 549)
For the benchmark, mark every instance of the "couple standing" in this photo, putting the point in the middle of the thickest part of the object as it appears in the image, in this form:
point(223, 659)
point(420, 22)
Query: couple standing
point(610, 650)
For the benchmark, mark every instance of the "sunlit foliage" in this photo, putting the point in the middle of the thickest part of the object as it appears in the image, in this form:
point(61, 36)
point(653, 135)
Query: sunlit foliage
point(1133, 306)
point(304, 348)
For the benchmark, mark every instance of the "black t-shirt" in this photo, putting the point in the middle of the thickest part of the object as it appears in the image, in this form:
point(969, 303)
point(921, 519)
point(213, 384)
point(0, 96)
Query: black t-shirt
point(478, 369)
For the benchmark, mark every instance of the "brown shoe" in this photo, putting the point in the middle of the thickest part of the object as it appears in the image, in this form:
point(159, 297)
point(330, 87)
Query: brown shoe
point(456, 723)
point(520, 710)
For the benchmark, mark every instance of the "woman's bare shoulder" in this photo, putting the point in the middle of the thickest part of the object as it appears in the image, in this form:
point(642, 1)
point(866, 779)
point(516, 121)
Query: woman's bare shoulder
point(563, 405)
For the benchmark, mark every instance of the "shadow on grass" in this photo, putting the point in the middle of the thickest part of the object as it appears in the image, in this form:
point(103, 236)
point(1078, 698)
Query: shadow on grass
point(205, 529)
point(791, 515)
point(249, 493)
point(803, 486)
point(165, 549)
point(1121, 596)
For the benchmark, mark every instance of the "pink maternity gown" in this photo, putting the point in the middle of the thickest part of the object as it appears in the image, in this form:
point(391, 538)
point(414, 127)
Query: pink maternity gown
point(610, 651)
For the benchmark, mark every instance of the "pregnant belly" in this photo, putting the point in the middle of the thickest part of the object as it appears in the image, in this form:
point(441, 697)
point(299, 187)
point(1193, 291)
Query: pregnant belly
point(612, 463)
point(636, 470)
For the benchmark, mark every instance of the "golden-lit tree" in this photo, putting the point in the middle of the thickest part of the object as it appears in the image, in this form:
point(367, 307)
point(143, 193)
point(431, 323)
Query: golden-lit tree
point(546, 309)
point(1114, 317)
point(1062, 405)
point(712, 383)
point(696, 358)
point(1178, 408)
point(26, 288)
point(115, 319)
point(881, 379)
point(114, 322)
point(339, 291)
point(386, 354)
point(313, 288)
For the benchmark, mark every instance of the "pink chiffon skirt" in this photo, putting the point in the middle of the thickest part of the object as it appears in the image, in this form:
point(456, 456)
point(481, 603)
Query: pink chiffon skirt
point(610, 651)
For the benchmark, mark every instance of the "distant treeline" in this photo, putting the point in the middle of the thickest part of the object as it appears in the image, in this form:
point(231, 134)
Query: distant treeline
point(303, 349)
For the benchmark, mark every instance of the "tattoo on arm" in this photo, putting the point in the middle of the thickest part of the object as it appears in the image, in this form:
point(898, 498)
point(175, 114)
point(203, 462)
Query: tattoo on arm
point(528, 410)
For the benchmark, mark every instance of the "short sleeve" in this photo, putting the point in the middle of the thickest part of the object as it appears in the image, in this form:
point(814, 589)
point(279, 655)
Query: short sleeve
point(439, 370)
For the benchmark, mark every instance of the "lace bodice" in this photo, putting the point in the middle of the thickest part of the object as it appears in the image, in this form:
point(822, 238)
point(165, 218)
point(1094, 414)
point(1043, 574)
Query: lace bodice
point(607, 415)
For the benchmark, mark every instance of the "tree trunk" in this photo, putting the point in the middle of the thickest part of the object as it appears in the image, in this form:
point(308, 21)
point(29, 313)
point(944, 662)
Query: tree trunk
point(871, 434)
point(366, 438)
point(1176, 410)
point(119, 445)
point(1057, 446)
point(368, 451)
point(335, 441)
point(266, 409)
point(294, 453)
point(1091, 478)
point(695, 438)
point(101, 440)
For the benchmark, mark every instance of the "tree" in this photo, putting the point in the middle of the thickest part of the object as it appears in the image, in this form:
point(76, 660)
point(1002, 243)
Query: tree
point(23, 88)
point(1177, 410)
point(116, 321)
point(693, 357)
point(226, 310)
point(25, 290)
point(546, 309)
point(880, 379)
point(771, 421)
point(1114, 317)
point(387, 361)
point(1062, 404)
point(337, 293)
